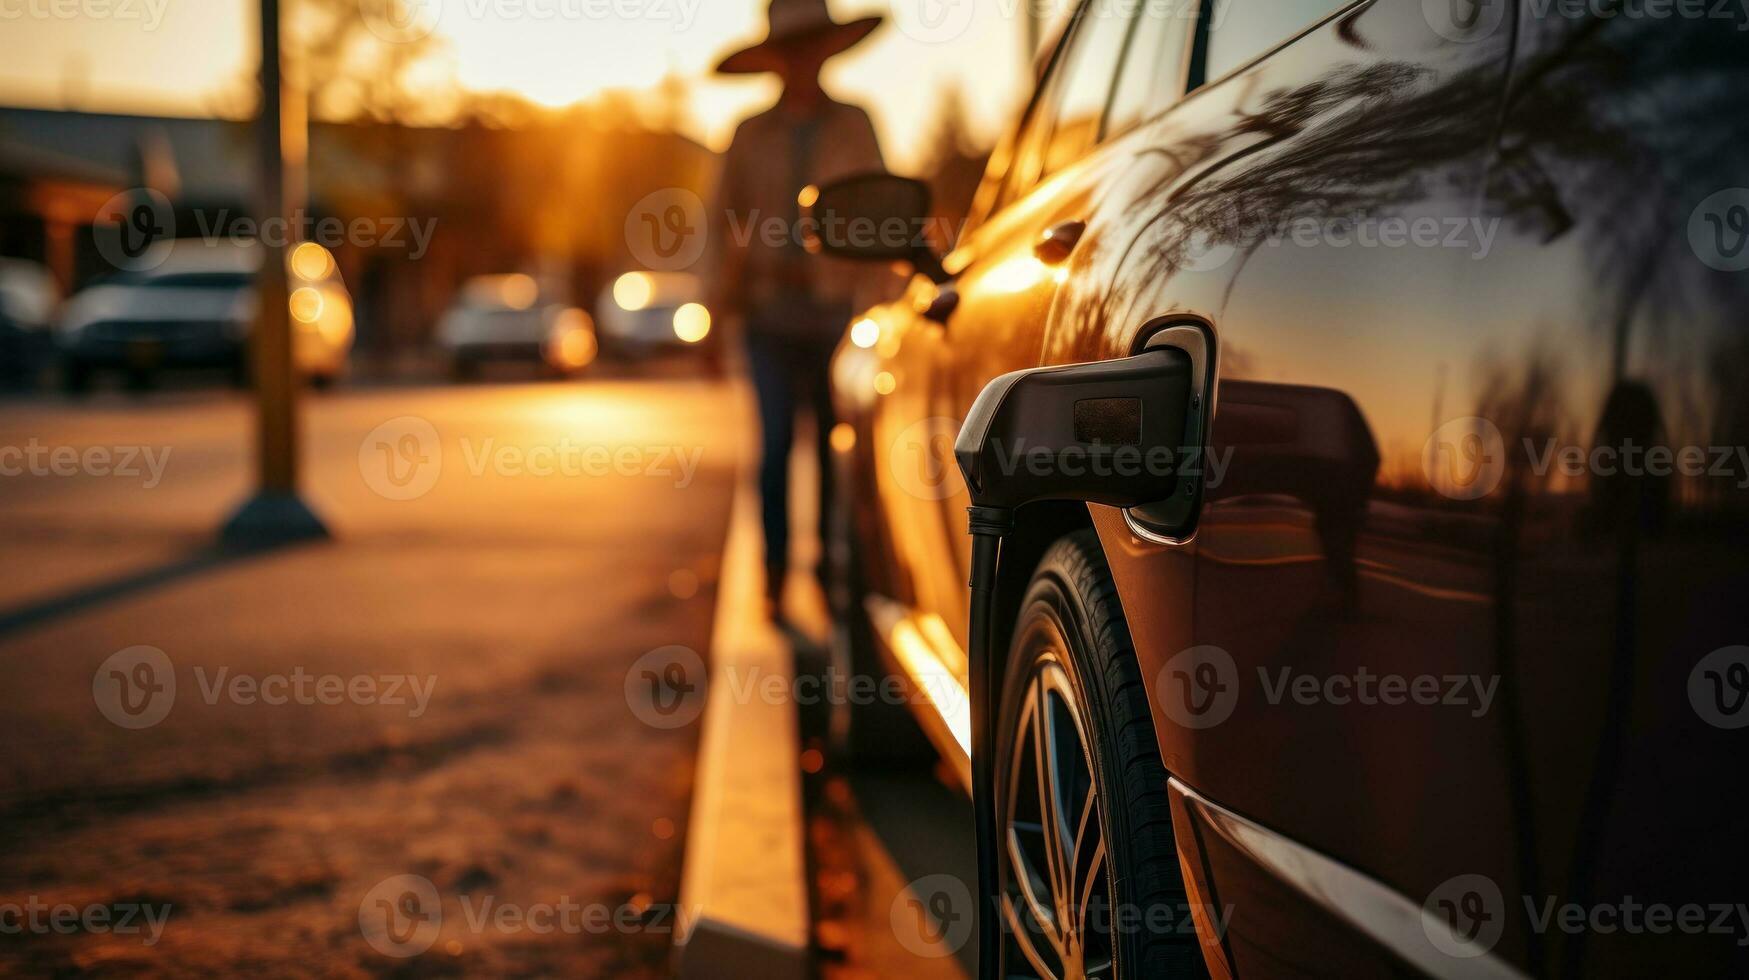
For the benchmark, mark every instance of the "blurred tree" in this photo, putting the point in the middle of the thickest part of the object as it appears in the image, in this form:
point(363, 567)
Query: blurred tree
point(953, 162)
point(507, 184)
point(358, 64)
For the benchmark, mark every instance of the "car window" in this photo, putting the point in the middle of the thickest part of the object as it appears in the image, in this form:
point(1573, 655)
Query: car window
point(1240, 30)
point(1025, 161)
point(1068, 116)
point(1154, 64)
point(1092, 70)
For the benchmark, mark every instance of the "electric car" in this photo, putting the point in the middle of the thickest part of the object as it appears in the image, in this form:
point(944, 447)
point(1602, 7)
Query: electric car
point(1433, 661)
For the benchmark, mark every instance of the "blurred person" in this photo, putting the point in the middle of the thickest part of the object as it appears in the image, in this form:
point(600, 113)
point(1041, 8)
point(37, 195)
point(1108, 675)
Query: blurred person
point(791, 306)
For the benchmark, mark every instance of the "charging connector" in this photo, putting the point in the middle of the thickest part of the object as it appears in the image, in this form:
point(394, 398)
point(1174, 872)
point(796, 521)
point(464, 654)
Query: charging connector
point(1107, 432)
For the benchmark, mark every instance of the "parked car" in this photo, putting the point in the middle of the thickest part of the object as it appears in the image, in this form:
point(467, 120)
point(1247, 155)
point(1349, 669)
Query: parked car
point(194, 304)
point(507, 318)
point(644, 313)
point(1415, 671)
point(28, 297)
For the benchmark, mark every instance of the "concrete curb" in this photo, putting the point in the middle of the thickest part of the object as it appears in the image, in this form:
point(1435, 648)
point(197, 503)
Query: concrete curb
point(744, 879)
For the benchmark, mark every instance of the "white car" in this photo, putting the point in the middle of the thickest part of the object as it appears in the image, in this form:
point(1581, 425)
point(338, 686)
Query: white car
point(28, 297)
point(506, 317)
point(643, 312)
point(195, 304)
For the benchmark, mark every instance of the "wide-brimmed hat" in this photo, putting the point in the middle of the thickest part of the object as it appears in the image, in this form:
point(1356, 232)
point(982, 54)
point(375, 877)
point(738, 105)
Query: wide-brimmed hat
point(792, 22)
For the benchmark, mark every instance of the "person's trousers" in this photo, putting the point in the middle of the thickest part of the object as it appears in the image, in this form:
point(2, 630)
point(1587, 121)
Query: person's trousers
point(788, 377)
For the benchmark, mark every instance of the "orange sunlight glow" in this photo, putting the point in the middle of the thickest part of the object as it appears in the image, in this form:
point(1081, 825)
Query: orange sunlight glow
point(938, 682)
point(306, 304)
point(196, 59)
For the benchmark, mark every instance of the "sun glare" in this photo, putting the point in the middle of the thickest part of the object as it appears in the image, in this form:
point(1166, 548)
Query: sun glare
point(550, 54)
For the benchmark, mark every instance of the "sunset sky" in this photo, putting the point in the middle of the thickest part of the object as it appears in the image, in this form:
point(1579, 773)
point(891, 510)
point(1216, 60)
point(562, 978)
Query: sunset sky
point(187, 57)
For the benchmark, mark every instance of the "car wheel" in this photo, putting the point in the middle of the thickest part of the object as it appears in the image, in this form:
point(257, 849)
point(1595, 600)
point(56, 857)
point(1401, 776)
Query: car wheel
point(141, 380)
point(1090, 879)
point(241, 371)
point(75, 376)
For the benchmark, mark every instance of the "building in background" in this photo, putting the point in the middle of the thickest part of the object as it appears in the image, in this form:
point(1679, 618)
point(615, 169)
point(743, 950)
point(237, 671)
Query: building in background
point(423, 208)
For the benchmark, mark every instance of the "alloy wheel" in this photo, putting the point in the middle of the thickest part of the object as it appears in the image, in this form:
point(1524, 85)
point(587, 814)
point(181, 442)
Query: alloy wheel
point(1057, 892)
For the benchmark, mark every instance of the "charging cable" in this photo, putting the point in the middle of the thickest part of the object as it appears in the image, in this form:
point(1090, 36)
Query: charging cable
point(988, 526)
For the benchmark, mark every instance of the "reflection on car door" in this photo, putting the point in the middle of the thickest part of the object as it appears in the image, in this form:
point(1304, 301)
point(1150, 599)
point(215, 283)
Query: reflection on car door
point(1310, 562)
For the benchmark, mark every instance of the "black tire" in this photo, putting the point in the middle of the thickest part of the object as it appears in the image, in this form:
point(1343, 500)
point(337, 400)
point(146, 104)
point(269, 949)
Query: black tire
point(75, 376)
point(1072, 658)
point(18, 357)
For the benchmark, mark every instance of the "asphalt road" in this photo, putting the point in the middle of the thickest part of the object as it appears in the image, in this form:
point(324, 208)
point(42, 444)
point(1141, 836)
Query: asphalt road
point(412, 750)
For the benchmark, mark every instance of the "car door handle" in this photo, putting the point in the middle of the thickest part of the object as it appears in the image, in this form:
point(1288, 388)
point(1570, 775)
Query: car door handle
point(1056, 245)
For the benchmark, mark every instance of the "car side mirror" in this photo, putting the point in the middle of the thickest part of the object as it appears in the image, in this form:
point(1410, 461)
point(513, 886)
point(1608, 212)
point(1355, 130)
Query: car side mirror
point(873, 217)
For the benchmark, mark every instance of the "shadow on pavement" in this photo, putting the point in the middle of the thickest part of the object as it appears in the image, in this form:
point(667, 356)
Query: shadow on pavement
point(878, 833)
point(125, 586)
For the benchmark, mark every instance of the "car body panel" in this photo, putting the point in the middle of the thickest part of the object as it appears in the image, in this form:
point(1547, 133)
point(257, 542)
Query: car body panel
point(1301, 332)
point(28, 294)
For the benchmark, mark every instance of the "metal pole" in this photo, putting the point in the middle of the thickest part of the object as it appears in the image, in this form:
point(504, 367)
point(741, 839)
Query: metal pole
point(275, 387)
point(275, 515)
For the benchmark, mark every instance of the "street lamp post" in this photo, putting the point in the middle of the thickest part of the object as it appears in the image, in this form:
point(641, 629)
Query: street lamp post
point(276, 514)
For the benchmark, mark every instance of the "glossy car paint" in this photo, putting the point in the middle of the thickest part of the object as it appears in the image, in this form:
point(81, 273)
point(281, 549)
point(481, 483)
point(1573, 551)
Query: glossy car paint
point(1562, 286)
